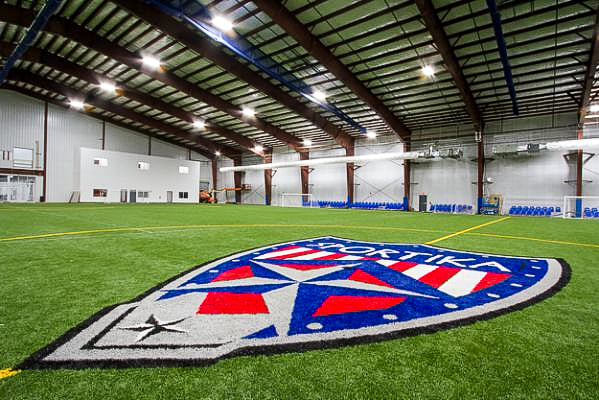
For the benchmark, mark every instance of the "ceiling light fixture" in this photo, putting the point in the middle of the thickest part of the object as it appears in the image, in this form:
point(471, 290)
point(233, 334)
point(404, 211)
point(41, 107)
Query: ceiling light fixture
point(307, 142)
point(222, 23)
point(76, 104)
point(428, 71)
point(594, 108)
point(248, 112)
point(199, 124)
point(108, 87)
point(319, 95)
point(370, 134)
point(151, 62)
point(258, 148)
point(217, 153)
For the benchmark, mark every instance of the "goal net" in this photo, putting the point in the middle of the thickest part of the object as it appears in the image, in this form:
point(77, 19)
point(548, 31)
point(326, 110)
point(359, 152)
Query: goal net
point(297, 200)
point(581, 207)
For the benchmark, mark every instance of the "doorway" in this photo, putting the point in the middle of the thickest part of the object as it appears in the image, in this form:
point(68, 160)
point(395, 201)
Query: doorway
point(123, 195)
point(422, 203)
point(169, 196)
point(132, 196)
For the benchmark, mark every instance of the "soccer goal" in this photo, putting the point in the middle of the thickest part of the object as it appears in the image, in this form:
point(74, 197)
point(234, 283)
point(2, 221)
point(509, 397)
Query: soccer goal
point(297, 200)
point(581, 207)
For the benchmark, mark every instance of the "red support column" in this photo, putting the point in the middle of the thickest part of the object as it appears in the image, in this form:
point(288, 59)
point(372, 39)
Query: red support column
point(579, 167)
point(349, 152)
point(305, 176)
point(406, 179)
point(103, 135)
point(481, 173)
point(45, 187)
point(237, 179)
point(214, 173)
point(268, 180)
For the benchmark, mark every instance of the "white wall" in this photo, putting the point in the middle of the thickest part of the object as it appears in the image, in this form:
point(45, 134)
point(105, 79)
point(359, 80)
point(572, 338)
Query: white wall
point(379, 181)
point(22, 124)
point(328, 182)
point(122, 173)
point(285, 180)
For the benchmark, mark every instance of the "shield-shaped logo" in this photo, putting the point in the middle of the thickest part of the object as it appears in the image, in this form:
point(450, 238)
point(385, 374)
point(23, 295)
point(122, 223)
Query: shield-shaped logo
point(300, 295)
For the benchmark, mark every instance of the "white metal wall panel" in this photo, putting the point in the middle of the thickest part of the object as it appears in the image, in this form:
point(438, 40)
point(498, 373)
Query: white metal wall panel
point(286, 180)
point(328, 182)
point(68, 131)
point(119, 139)
point(379, 181)
point(163, 149)
point(444, 181)
point(21, 125)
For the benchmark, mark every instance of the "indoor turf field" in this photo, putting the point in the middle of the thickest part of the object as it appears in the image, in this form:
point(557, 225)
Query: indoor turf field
point(62, 263)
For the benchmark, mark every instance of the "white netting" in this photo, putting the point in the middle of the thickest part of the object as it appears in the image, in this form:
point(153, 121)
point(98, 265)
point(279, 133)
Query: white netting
point(581, 207)
point(297, 200)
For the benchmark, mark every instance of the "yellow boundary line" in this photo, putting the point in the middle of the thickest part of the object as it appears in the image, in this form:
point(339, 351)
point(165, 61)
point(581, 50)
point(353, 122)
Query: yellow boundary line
point(467, 230)
point(535, 239)
point(8, 372)
point(382, 228)
point(144, 228)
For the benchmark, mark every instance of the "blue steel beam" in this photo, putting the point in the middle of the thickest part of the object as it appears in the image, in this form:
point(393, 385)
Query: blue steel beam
point(240, 46)
point(501, 46)
point(37, 25)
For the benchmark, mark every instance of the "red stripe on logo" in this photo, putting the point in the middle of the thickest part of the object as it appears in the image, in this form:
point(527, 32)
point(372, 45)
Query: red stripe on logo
point(300, 253)
point(439, 276)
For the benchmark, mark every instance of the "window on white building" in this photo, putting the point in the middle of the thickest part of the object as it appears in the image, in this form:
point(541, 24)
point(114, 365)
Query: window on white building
point(100, 192)
point(183, 195)
point(143, 165)
point(100, 162)
point(22, 158)
point(183, 169)
point(143, 195)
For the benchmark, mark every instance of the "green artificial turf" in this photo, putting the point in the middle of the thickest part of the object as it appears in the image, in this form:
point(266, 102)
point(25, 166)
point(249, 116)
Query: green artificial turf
point(48, 285)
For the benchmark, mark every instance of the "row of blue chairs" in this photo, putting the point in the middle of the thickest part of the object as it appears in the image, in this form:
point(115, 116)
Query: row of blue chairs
point(591, 212)
point(537, 211)
point(377, 205)
point(451, 208)
point(357, 205)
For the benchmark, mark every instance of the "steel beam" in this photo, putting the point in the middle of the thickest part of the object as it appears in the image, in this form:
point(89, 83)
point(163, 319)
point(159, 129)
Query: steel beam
point(38, 24)
point(480, 175)
point(350, 172)
point(502, 48)
point(589, 79)
point(237, 179)
point(406, 179)
point(284, 18)
point(111, 120)
point(435, 28)
point(64, 27)
point(589, 76)
point(268, 180)
point(305, 177)
point(27, 77)
point(62, 65)
point(205, 48)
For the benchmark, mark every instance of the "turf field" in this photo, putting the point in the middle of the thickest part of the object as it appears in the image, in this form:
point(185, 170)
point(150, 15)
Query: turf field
point(51, 283)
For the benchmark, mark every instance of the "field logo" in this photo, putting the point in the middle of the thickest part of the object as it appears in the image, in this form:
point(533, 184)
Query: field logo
point(305, 294)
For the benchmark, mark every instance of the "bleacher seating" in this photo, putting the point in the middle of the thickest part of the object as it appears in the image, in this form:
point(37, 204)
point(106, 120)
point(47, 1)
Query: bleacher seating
point(591, 212)
point(535, 211)
point(451, 208)
point(362, 205)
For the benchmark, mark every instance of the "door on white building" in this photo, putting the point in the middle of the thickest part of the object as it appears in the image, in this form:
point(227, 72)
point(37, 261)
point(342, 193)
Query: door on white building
point(123, 195)
point(169, 196)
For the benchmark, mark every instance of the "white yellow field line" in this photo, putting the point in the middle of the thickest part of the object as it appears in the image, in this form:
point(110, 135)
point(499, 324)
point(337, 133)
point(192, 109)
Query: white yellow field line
point(467, 230)
point(8, 372)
